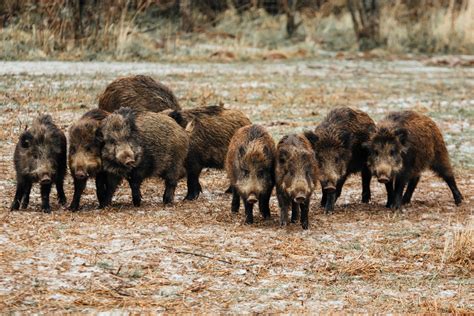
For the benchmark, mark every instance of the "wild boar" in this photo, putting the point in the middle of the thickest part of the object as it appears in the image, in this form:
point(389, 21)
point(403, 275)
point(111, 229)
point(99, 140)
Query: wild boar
point(337, 143)
point(85, 158)
point(40, 156)
point(296, 175)
point(138, 145)
point(250, 163)
point(403, 146)
point(211, 129)
point(141, 93)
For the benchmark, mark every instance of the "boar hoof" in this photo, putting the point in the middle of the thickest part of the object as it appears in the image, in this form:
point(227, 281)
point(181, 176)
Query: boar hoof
point(304, 225)
point(47, 210)
point(192, 196)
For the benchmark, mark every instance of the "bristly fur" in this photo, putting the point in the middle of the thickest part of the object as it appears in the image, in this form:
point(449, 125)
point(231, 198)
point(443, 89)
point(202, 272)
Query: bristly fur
point(210, 129)
point(404, 145)
point(139, 92)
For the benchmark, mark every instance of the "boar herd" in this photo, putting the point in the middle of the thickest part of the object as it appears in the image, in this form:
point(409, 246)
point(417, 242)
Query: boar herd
point(139, 131)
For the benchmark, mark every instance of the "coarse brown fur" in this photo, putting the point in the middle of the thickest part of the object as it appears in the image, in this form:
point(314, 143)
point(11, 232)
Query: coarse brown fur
point(296, 175)
point(250, 163)
point(138, 145)
point(404, 145)
point(337, 143)
point(211, 129)
point(140, 93)
point(40, 156)
point(85, 155)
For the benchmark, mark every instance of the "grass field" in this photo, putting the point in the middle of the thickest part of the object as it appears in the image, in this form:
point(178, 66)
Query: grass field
point(197, 256)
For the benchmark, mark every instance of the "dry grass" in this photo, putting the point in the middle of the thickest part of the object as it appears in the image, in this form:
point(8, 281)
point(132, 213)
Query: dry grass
point(459, 247)
point(198, 257)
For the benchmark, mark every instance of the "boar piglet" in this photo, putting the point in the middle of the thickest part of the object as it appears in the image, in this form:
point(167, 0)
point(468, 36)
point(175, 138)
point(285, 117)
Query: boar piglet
point(296, 176)
point(337, 143)
point(40, 156)
point(85, 155)
point(139, 145)
point(250, 166)
point(403, 145)
point(141, 93)
point(210, 129)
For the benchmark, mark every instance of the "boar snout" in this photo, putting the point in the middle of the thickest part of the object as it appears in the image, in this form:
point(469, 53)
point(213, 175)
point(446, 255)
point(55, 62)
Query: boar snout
point(252, 199)
point(383, 179)
point(300, 198)
point(81, 174)
point(328, 186)
point(126, 156)
point(45, 179)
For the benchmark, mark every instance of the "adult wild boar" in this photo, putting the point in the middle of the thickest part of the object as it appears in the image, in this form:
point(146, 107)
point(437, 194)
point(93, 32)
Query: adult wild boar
point(40, 156)
point(404, 145)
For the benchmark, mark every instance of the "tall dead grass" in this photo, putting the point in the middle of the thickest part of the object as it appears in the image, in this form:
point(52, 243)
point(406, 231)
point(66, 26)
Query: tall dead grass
point(459, 247)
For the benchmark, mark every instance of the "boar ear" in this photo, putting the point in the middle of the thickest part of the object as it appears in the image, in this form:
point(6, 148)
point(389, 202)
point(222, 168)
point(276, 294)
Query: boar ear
point(312, 137)
point(241, 151)
point(346, 140)
point(402, 135)
point(190, 126)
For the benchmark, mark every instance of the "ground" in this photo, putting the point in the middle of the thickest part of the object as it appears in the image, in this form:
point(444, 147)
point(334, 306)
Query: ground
point(197, 256)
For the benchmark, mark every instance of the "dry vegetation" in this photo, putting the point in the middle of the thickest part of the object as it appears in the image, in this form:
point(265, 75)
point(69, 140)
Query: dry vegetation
point(197, 256)
point(153, 30)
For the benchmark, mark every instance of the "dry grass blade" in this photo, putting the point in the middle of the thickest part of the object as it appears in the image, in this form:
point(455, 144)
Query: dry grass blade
point(459, 247)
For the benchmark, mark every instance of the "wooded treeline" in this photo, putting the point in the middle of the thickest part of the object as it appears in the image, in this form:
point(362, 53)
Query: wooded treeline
point(90, 19)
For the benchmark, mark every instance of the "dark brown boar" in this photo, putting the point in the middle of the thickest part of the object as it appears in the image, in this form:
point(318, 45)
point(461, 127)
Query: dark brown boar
point(296, 175)
point(403, 146)
point(138, 145)
point(85, 155)
point(338, 146)
point(139, 93)
point(210, 129)
point(40, 156)
point(250, 165)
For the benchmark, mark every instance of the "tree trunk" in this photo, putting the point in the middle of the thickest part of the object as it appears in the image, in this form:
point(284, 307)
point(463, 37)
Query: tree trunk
point(365, 17)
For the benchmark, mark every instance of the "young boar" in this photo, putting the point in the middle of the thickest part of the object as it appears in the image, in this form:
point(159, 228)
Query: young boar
point(296, 176)
point(138, 145)
point(139, 92)
point(405, 144)
point(85, 155)
point(211, 129)
point(40, 156)
point(337, 143)
point(250, 165)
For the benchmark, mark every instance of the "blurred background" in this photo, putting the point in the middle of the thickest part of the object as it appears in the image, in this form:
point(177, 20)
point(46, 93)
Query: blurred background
point(227, 30)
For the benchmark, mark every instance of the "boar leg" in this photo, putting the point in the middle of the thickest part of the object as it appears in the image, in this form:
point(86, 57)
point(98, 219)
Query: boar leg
point(170, 187)
point(26, 195)
point(400, 183)
point(284, 207)
point(60, 189)
point(112, 183)
point(324, 197)
point(79, 186)
point(101, 187)
point(135, 183)
point(20, 191)
point(194, 187)
point(45, 191)
point(264, 204)
point(410, 188)
point(339, 186)
point(304, 214)
point(235, 201)
point(366, 176)
point(446, 173)
point(389, 188)
point(295, 207)
point(331, 200)
point(248, 212)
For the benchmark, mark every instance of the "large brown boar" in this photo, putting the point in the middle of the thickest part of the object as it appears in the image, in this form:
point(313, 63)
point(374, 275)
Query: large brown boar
point(40, 156)
point(404, 145)
point(85, 155)
point(250, 165)
point(296, 175)
point(338, 146)
point(137, 92)
point(210, 129)
point(138, 145)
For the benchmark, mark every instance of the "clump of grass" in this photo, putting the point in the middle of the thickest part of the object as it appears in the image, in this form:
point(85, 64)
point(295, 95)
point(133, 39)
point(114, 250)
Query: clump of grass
point(459, 247)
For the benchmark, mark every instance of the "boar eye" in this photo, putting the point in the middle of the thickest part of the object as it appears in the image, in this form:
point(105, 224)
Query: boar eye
point(393, 152)
point(261, 173)
point(35, 156)
point(245, 172)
